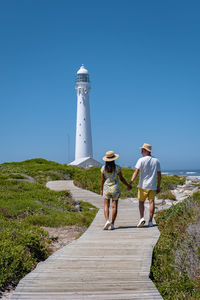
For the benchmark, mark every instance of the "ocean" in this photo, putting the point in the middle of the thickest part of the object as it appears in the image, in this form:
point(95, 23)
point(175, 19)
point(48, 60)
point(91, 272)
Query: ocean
point(188, 173)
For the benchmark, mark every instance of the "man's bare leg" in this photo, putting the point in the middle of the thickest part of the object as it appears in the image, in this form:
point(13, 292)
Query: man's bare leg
point(141, 208)
point(151, 210)
point(114, 210)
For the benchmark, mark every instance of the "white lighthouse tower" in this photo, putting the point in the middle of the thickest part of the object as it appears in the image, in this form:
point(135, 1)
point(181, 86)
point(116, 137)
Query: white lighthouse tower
point(83, 149)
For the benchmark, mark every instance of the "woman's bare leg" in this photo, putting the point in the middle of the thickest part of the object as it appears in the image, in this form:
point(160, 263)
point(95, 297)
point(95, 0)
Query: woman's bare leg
point(114, 210)
point(106, 208)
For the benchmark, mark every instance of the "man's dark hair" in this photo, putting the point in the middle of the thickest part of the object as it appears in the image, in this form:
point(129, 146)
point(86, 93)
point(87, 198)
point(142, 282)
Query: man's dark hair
point(110, 166)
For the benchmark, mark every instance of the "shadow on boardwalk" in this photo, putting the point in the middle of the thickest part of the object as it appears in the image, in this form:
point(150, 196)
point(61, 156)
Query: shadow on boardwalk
point(100, 264)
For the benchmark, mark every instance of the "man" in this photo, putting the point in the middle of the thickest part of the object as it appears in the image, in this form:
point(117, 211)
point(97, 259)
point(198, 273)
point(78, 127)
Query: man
point(149, 168)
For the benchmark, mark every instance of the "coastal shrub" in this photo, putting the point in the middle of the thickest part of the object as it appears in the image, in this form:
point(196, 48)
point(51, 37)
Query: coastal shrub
point(88, 179)
point(40, 169)
point(91, 180)
point(170, 182)
point(40, 206)
point(24, 207)
point(21, 247)
point(176, 260)
point(166, 195)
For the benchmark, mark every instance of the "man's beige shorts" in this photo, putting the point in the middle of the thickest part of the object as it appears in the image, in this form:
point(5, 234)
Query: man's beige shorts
point(144, 194)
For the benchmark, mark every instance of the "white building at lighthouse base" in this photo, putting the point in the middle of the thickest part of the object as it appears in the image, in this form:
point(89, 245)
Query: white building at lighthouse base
point(86, 163)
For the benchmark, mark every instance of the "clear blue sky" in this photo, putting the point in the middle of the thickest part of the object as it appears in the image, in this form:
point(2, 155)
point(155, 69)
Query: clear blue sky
point(144, 63)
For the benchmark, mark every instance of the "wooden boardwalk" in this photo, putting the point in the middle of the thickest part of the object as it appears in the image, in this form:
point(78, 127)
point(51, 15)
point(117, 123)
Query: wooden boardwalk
point(100, 264)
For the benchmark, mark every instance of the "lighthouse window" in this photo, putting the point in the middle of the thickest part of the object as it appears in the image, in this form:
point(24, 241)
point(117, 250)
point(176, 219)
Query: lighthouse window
point(80, 124)
point(84, 119)
point(79, 134)
point(82, 78)
point(85, 142)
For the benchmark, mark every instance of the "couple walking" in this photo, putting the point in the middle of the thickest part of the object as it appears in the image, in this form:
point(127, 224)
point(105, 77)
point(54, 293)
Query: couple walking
point(149, 169)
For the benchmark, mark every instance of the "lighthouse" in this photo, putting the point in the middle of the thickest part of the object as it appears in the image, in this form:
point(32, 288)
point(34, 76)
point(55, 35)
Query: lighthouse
point(83, 144)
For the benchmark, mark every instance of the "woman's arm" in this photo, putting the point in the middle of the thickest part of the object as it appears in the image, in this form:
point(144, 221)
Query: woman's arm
point(102, 183)
point(123, 180)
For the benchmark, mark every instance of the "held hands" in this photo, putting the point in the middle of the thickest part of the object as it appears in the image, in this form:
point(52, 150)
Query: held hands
point(129, 187)
point(101, 193)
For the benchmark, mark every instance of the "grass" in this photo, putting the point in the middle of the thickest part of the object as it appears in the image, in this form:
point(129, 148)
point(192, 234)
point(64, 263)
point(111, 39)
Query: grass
point(176, 258)
point(37, 205)
point(25, 207)
point(40, 169)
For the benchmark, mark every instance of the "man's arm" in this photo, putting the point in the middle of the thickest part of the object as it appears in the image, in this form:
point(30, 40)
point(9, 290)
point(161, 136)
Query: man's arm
point(158, 181)
point(135, 174)
point(102, 183)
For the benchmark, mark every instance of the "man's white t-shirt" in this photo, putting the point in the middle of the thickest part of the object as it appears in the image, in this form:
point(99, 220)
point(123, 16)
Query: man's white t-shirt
point(148, 166)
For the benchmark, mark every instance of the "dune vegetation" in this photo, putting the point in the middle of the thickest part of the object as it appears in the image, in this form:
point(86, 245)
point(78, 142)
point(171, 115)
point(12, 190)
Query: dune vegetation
point(176, 257)
point(26, 205)
point(91, 180)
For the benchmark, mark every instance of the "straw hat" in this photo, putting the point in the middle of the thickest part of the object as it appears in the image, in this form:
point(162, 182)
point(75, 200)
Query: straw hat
point(146, 147)
point(110, 156)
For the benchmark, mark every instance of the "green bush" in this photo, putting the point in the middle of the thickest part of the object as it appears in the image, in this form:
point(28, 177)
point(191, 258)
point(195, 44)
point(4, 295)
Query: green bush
point(38, 205)
point(88, 179)
point(24, 207)
point(40, 169)
point(91, 180)
point(170, 182)
point(166, 195)
point(169, 269)
point(21, 247)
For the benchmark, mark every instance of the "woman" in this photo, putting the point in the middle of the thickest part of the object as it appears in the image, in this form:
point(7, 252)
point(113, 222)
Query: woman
point(110, 186)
